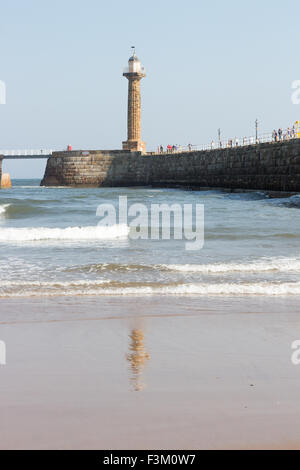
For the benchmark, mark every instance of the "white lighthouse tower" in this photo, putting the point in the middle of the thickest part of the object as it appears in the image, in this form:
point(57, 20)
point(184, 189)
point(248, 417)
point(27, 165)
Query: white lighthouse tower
point(134, 73)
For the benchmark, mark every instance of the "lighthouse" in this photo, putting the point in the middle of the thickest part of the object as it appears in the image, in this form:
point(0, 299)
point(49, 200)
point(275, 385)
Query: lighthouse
point(134, 74)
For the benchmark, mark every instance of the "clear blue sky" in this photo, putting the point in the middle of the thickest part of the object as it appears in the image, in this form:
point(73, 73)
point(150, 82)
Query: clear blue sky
point(209, 64)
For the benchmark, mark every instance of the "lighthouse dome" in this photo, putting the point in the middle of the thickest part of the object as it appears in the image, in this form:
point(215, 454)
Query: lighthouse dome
point(134, 58)
point(134, 65)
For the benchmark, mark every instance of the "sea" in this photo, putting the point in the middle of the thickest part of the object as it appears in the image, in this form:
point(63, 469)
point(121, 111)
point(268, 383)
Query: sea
point(51, 245)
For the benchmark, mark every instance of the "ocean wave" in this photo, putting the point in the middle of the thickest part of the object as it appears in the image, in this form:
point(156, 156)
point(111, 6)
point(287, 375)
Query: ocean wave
point(64, 234)
point(53, 284)
point(28, 207)
point(260, 266)
point(111, 267)
point(266, 265)
point(247, 196)
point(240, 236)
point(290, 202)
point(3, 209)
point(19, 210)
point(113, 288)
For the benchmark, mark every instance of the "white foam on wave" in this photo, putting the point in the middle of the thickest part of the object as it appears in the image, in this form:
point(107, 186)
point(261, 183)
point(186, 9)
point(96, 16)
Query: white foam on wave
point(259, 266)
point(53, 284)
point(102, 288)
point(3, 208)
point(226, 289)
point(67, 234)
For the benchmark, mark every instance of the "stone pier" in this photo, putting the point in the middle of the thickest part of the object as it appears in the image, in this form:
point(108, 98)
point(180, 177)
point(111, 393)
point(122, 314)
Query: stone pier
point(266, 167)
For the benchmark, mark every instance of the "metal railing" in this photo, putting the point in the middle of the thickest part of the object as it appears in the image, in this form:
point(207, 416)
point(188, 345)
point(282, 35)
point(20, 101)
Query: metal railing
point(26, 153)
point(288, 134)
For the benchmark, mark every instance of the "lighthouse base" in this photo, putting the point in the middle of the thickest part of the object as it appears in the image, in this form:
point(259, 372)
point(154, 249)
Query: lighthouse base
point(134, 146)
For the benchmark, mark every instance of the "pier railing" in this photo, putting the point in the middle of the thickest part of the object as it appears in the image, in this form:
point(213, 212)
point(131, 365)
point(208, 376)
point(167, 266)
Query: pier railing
point(26, 153)
point(288, 134)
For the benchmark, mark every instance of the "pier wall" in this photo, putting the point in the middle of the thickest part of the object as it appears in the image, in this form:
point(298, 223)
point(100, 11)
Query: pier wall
point(269, 166)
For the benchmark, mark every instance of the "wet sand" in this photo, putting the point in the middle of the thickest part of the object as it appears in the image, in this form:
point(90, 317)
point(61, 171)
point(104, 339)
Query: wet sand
point(152, 373)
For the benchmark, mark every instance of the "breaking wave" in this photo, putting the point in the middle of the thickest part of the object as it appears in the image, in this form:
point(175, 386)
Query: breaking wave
point(114, 288)
point(259, 266)
point(67, 234)
point(283, 265)
point(3, 209)
point(112, 267)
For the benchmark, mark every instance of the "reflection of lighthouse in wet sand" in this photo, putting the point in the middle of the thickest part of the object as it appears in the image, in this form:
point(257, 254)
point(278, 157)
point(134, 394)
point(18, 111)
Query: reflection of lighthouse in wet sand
point(138, 357)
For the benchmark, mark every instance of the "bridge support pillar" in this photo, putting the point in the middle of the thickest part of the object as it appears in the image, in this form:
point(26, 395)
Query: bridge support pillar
point(5, 182)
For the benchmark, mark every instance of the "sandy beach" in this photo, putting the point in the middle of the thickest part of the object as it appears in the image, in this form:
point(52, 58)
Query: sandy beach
point(156, 373)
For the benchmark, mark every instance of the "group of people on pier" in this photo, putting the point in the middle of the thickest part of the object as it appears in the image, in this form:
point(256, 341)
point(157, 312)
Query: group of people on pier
point(174, 148)
point(276, 136)
point(289, 133)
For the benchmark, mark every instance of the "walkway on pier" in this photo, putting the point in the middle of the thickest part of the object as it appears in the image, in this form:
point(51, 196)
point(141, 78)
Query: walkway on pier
point(26, 154)
point(287, 134)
